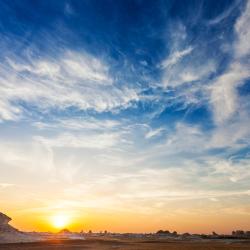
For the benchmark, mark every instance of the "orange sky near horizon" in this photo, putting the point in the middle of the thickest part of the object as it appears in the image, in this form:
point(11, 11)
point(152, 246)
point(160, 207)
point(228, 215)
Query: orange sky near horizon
point(31, 212)
point(136, 223)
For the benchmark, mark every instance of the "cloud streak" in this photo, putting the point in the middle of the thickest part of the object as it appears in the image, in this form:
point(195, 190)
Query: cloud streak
point(73, 80)
point(176, 57)
point(224, 97)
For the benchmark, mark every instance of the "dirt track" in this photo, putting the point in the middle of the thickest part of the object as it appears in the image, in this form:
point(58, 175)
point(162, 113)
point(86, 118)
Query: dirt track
point(109, 244)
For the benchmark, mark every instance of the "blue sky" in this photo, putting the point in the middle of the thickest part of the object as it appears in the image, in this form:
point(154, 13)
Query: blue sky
point(133, 105)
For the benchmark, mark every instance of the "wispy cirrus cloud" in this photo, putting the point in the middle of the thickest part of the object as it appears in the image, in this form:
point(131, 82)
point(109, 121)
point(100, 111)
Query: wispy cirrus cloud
point(153, 132)
point(96, 141)
point(242, 47)
point(78, 123)
point(72, 80)
point(175, 57)
point(197, 77)
point(185, 64)
point(159, 185)
point(225, 14)
point(225, 99)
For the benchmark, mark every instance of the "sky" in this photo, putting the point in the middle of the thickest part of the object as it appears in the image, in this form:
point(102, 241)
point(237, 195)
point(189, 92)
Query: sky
point(126, 115)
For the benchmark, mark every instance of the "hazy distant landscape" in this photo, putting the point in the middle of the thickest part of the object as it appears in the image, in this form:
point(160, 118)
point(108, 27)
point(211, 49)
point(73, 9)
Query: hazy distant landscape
point(13, 239)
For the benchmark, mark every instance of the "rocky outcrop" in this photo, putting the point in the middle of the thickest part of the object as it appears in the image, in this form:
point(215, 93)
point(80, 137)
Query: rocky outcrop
point(9, 234)
point(4, 219)
point(4, 225)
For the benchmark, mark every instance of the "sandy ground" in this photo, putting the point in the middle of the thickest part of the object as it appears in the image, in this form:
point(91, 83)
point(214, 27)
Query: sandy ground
point(109, 244)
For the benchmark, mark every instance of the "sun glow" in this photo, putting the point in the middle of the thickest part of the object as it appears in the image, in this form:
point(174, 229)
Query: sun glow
point(60, 221)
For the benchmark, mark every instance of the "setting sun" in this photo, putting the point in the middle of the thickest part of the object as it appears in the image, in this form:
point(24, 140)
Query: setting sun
point(60, 221)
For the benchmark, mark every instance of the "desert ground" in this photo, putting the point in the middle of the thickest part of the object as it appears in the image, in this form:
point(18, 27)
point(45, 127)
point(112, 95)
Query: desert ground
point(129, 244)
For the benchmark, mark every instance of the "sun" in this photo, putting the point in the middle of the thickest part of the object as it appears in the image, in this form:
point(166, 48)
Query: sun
point(60, 221)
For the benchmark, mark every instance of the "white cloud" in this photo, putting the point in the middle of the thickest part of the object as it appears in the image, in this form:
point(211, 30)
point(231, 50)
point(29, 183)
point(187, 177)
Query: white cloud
point(153, 133)
point(151, 186)
point(71, 68)
point(94, 141)
point(235, 172)
point(72, 80)
point(86, 68)
point(40, 68)
point(224, 15)
point(176, 57)
point(197, 70)
point(224, 97)
point(78, 124)
point(187, 140)
point(181, 74)
point(242, 46)
point(8, 111)
point(185, 64)
point(27, 156)
point(201, 72)
point(235, 135)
